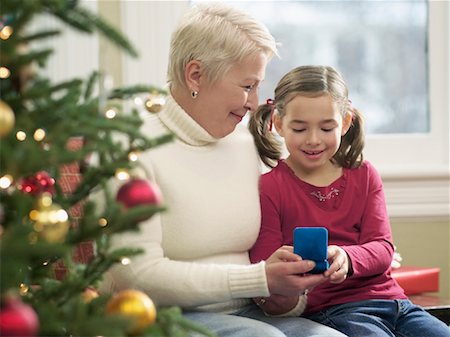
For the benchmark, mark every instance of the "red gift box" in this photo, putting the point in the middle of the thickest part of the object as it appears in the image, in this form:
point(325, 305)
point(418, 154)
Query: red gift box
point(70, 177)
point(417, 280)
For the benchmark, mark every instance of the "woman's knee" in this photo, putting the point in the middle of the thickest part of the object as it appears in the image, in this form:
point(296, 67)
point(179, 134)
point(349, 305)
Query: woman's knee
point(234, 326)
point(253, 328)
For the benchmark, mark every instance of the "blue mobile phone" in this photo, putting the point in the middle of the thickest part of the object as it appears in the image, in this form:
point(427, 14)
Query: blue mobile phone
point(311, 243)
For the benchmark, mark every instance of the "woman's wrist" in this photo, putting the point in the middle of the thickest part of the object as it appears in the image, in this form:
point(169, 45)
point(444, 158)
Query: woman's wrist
point(260, 301)
point(277, 305)
point(298, 309)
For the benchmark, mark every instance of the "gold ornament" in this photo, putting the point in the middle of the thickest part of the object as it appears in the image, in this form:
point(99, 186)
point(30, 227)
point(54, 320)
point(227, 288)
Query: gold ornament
point(7, 119)
point(155, 102)
point(133, 304)
point(50, 220)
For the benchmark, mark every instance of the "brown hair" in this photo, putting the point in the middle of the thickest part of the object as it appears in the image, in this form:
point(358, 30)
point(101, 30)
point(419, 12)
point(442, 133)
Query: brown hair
point(311, 81)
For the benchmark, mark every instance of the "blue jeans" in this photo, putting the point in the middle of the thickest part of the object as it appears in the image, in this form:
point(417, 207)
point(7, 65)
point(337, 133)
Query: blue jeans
point(251, 322)
point(382, 318)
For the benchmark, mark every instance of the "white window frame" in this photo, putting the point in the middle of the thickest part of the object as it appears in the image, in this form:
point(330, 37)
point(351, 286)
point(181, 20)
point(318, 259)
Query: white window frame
point(414, 167)
point(422, 154)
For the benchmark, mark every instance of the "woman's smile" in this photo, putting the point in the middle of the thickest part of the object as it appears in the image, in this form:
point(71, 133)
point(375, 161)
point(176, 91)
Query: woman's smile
point(237, 116)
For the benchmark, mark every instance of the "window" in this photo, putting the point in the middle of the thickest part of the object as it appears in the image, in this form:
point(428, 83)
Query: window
point(408, 140)
point(382, 50)
point(376, 45)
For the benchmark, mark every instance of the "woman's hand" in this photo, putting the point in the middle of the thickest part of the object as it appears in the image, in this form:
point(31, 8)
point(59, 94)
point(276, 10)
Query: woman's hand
point(276, 304)
point(285, 273)
point(283, 254)
point(339, 264)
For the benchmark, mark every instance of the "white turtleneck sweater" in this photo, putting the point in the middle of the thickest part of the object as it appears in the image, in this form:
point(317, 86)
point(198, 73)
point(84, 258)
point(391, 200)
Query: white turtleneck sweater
point(196, 252)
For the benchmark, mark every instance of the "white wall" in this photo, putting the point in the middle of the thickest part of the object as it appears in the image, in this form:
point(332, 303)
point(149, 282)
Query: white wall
point(149, 24)
point(76, 54)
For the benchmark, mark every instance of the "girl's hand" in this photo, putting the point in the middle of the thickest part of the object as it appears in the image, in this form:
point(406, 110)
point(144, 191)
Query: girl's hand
point(339, 264)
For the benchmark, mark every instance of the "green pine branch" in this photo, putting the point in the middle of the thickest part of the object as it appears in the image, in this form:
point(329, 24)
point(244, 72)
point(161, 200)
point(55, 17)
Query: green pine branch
point(44, 34)
point(73, 108)
point(130, 91)
point(83, 20)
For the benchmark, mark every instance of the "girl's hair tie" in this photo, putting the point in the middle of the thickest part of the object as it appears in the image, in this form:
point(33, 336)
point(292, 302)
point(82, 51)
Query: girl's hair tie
point(271, 103)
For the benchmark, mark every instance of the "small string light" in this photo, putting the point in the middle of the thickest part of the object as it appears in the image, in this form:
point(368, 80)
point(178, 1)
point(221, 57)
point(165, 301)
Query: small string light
point(110, 113)
point(122, 174)
point(132, 156)
point(125, 261)
point(32, 238)
point(21, 136)
point(6, 181)
point(34, 215)
point(4, 72)
point(59, 216)
point(46, 200)
point(138, 100)
point(102, 222)
point(6, 32)
point(39, 135)
point(23, 289)
point(38, 226)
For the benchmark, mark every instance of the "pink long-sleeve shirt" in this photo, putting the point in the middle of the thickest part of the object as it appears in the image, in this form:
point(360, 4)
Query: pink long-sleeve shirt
point(353, 209)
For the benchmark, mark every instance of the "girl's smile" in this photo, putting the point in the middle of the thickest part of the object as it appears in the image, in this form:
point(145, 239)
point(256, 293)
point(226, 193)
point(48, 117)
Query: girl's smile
point(313, 154)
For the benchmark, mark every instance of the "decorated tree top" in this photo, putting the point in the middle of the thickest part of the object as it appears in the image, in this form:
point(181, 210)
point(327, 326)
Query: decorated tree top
point(47, 130)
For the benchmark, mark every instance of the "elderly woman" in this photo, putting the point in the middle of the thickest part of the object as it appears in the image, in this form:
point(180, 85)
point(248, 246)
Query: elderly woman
point(196, 253)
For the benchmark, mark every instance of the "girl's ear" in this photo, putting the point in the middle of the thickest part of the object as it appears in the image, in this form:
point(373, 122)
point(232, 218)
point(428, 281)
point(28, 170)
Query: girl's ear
point(278, 122)
point(347, 122)
point(192, 74)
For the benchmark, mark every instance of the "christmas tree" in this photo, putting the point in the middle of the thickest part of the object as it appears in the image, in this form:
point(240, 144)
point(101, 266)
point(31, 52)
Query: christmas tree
point(53, 133)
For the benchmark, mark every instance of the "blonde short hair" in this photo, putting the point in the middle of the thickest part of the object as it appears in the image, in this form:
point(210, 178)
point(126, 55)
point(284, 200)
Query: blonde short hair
point(218, 36)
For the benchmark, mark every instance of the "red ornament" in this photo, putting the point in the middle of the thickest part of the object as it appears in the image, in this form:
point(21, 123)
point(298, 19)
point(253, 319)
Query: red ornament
point(18, 318)
point(139, 192)
point(39, 183)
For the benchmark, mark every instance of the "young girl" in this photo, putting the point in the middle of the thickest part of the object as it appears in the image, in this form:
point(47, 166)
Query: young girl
point(324, 182)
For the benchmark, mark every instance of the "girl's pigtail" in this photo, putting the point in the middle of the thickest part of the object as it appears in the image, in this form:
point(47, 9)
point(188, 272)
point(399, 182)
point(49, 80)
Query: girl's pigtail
point(268, 146)
point(350, 153)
